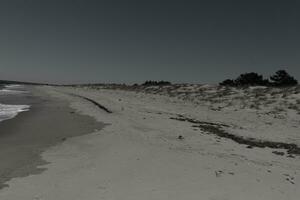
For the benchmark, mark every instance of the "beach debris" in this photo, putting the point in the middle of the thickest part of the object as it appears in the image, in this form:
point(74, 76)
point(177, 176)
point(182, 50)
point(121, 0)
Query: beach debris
point(180, 137)
point(93, 102)
point(289, 178)
point(278, 153)
point(218, 173)
point(290, 156)
point(218, 129)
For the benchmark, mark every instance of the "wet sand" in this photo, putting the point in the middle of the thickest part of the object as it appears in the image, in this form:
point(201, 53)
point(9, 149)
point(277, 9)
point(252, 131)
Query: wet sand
point(23, 138)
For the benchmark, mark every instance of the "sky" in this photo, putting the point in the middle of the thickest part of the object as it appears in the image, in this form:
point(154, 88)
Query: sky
point(82, 41)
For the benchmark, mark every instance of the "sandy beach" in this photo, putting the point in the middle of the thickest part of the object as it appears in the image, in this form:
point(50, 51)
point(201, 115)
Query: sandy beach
point(139, 154)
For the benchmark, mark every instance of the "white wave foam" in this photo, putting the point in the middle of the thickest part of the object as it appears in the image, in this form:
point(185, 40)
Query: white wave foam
point(14, 86)
point(5, 91)
point(12, 89)
point(10, 111)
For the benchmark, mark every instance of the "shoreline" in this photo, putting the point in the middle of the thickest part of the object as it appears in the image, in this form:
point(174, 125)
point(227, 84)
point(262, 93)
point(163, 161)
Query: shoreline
point(23, 138)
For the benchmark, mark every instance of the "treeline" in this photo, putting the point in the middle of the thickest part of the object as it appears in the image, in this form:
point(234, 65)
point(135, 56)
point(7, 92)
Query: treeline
point(156, 83)
point(280, 79)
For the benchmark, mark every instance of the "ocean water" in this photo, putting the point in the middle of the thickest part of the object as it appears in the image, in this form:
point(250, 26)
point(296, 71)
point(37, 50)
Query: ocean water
point(10, 111)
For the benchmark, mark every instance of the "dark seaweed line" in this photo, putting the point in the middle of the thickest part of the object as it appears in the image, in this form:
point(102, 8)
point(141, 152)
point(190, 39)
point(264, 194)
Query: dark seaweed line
point(93, 102)
point(216, 129)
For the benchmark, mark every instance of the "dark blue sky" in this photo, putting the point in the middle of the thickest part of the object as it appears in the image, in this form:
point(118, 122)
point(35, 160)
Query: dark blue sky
point(132, 41)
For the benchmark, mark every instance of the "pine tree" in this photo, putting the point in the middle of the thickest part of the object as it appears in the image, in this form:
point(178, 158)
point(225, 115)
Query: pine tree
point(282, 78)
